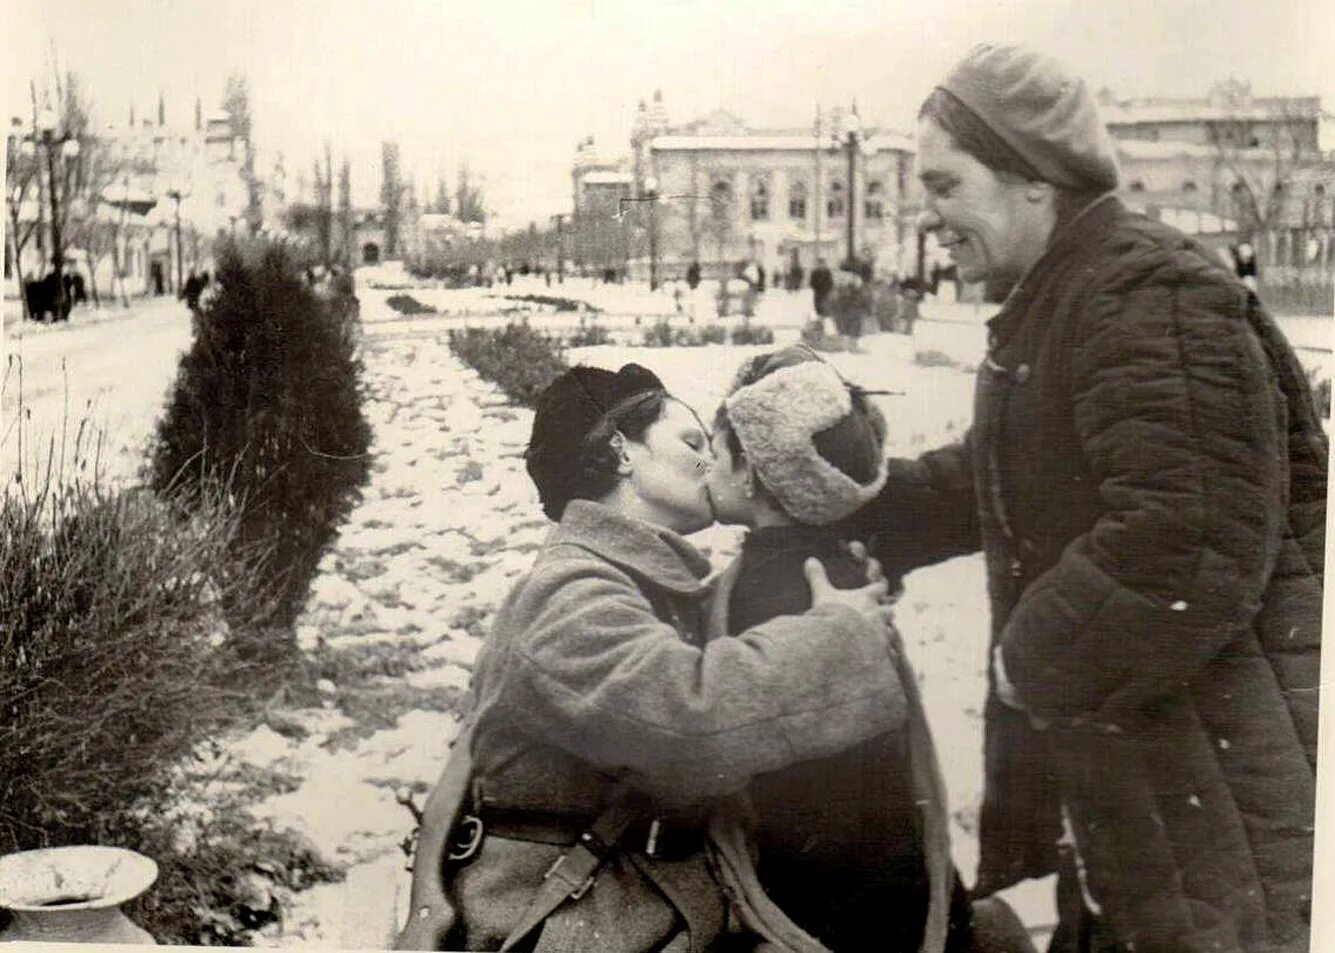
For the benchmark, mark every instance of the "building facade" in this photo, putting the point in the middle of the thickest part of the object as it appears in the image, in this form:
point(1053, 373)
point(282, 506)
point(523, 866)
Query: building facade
point(721, 193)
point(1228, 167)
point(143, 208)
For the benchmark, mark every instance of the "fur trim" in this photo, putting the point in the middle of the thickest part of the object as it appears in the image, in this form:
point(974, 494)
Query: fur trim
point(776, 419)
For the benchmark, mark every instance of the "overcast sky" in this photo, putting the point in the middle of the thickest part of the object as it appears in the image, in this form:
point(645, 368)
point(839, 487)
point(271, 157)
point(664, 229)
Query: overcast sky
point(511, 85)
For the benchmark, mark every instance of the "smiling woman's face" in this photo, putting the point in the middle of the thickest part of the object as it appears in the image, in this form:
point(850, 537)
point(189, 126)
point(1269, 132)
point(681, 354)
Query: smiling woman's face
point(670, 468)
point(987, 221)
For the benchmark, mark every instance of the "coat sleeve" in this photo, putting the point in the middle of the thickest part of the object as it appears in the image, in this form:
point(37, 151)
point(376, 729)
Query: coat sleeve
point(602, 677)
point(1175, 409)
point(926, 512)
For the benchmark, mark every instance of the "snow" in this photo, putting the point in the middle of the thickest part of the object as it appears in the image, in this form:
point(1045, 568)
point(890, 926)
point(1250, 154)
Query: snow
point(424, 556)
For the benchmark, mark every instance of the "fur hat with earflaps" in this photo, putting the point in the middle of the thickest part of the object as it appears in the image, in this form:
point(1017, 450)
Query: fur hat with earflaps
point(814, 439)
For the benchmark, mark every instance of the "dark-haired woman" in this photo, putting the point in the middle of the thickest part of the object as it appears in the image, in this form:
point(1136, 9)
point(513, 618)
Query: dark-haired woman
point(597, 697)
point(853, 846)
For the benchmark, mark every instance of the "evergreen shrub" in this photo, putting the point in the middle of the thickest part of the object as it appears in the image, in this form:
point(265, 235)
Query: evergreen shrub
point(267, 402)
point(516, 358)
point(589, 335)
point(407, 304)
point(748, 333)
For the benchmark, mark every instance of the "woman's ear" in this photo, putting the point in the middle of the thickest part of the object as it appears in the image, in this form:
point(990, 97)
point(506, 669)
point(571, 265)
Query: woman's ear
point(1037, 192)
point(617, 443)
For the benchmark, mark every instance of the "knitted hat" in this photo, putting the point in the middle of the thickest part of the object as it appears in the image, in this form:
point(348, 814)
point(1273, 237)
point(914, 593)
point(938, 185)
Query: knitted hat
point(777, 420)
point(1043, 112)
point(567, 412)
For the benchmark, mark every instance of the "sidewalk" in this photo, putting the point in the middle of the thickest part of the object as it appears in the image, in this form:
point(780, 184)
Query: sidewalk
point(83, 315)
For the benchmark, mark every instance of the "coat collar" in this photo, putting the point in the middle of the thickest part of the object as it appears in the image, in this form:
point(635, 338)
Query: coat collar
point(1082, 230)
point(650, 552)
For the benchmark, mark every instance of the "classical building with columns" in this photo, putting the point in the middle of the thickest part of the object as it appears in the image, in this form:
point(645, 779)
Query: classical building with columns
point(719, 192)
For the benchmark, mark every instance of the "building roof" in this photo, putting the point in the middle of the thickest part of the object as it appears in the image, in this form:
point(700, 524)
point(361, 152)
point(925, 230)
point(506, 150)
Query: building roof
point(765, 142)
point(606, 178)
point(1277, 109)
point(1145, 149)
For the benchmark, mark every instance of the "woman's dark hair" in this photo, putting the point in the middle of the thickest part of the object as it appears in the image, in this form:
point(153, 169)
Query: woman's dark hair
point(852, 446)
point(594, 473)
point(970, 134)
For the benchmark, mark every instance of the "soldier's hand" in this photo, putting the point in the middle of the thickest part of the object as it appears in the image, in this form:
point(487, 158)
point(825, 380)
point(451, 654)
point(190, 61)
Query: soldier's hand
point(429, 923)
point(875, 573)
point(869, 600)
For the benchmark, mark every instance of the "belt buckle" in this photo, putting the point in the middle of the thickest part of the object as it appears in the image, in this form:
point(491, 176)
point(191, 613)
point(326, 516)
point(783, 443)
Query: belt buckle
point(463, 849)
point(651, 839)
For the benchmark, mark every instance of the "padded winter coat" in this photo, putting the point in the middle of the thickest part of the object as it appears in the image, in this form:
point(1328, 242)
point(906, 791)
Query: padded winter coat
point(596, 674)
point(1146, 475)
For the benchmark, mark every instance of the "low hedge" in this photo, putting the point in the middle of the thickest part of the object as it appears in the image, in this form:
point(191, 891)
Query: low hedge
point(516, 358)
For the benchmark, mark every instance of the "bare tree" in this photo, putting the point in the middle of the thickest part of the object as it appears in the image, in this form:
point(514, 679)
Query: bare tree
point(324, 201)
point(82, 178)
point(23, 183)
point(1261, 157)
point(469, 205)
point(345, 218)
point(391, 196)
point(236, 103)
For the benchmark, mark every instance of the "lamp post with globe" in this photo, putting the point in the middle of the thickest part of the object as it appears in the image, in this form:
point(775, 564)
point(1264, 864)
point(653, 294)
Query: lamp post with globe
point(651, 196)
point(55, 142)
point(848, 136)
point(176, 194)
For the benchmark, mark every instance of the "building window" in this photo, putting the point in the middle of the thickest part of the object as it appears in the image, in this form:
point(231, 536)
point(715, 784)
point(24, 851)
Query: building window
point(1188, 186)
point(875, 204)
point(797, 201)
point(760, 201)
point(1136, 186)
point(1319, 190)
point(720, 193)
point(834, 206)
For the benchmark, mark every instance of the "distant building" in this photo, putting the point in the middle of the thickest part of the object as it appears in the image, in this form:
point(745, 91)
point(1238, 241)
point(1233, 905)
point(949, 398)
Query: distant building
point(157, 181)
point(1229, 116)
point(719, 192)
point(1229, 155)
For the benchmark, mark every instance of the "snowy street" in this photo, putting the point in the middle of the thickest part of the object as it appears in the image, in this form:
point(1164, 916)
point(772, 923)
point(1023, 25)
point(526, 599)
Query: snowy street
point(112, 366)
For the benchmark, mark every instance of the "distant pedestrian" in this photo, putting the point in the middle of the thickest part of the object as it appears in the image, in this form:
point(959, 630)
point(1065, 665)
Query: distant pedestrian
point(822, 283)
point(693, 275)
point(795, 274)
point(194, 286)
point(1244, 264)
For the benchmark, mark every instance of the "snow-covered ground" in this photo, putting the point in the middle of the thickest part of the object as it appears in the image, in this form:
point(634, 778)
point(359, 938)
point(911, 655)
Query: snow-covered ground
point(449, 520)
point(448, 523)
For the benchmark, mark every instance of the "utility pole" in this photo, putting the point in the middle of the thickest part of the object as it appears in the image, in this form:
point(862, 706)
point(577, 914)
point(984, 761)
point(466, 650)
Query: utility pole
point(175, 196)
point(560, 218)
point(819, 202)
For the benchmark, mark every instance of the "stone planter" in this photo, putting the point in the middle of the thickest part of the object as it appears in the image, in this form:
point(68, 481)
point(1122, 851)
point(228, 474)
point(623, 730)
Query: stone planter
point(73, 894)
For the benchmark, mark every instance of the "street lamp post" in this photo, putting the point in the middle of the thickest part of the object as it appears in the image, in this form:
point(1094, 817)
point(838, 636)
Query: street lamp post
point(849, 138)
point(651, 195)
point(560, 248)
point(176, 195)
point(68, 146)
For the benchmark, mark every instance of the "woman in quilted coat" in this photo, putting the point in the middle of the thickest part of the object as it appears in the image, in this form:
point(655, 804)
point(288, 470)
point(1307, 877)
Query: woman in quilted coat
point(1146, 476)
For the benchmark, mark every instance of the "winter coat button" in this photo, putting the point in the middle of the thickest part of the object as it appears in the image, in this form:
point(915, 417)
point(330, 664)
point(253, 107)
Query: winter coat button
point(1022, 374)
